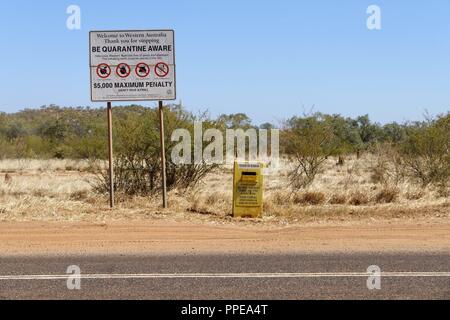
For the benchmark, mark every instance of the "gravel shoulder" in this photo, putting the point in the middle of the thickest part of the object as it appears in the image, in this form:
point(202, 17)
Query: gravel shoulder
point(161, 237)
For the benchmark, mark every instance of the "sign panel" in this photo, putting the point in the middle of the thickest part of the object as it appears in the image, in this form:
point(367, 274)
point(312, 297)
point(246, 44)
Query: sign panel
point(132, 65)
point(248, 184)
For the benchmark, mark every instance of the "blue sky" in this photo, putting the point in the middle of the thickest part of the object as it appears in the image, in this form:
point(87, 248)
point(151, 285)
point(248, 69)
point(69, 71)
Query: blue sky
point(269, 59)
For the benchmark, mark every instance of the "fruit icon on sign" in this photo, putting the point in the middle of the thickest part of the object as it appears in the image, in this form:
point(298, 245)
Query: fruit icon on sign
point(123, 70)
point(162, 69)
point(103, 71)
point(142, 70)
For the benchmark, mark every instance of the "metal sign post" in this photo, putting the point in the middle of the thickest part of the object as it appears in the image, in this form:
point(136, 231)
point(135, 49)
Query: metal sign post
point(163, 154)
point(110, 156)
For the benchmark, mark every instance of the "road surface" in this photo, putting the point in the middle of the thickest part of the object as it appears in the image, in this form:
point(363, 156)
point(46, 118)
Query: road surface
point(228, 276)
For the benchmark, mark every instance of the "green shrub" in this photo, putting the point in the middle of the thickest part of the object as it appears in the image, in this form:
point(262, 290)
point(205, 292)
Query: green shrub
point(426, 152)
point(308, 142)
point(137, 165)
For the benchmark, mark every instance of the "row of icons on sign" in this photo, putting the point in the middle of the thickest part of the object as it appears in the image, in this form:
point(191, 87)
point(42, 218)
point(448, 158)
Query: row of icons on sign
point(142, 70)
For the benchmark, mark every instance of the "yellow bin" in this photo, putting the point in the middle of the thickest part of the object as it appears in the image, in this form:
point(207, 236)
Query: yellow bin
point(248, 185)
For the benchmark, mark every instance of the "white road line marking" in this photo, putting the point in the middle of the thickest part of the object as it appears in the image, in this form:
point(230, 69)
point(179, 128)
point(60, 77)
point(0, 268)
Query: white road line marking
point(227, 275)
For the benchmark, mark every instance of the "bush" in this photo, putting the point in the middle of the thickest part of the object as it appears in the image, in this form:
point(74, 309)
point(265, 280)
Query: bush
point(6, 149)
point(313, 198)
point(308, 142)
point(213, 204)
point(387, 195)
point(137, 164)
point(358, 198)
point(388, 167)
point(338, 199)
point(443, 191)
point(415, 194)
point(426, 152)
point(278, 198)
point(79, 195)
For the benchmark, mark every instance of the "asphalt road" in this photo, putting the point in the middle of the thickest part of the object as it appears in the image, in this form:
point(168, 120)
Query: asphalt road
point(254, 277)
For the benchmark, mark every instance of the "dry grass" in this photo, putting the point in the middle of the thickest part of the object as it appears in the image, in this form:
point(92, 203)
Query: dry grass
point(414, 194)
point(313, 198)
point(338, 198)
point(33, 165)
point(387, 194)
point(49, 191)
point(358, 198)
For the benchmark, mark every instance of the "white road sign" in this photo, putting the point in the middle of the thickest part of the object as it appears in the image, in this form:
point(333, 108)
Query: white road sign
point(132, 65)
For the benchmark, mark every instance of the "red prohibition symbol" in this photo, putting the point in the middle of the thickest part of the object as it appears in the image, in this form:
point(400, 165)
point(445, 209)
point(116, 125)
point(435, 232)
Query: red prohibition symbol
point(123, 70)
point(142, 70)
point(103, 71)
point(161, 69)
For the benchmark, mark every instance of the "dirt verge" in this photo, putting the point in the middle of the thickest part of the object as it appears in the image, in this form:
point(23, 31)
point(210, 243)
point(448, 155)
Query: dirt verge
point(62, 238)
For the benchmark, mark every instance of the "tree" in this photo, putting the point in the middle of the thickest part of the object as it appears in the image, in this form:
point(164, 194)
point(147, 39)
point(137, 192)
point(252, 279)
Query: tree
point(54, 131)
point(394, 132)
point(267, 126)
point(14, 131)
point(235, 121)
point(346, 133)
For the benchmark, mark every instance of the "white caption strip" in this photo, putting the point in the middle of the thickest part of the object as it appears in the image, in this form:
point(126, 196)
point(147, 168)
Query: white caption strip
point(224, 275)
